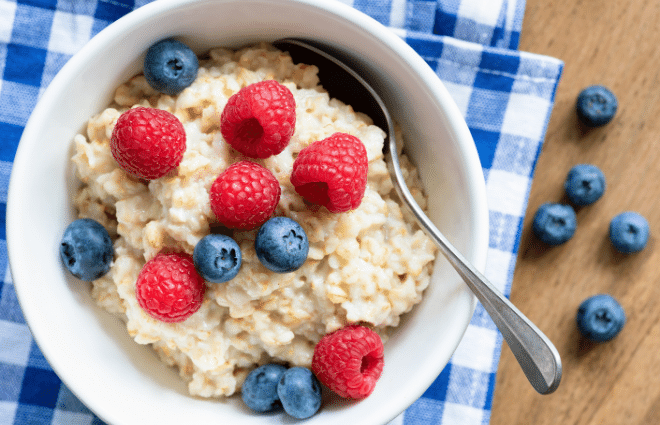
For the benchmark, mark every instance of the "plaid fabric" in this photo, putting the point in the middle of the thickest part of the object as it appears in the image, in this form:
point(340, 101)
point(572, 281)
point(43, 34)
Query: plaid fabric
point(505, 95)
point(495, 23)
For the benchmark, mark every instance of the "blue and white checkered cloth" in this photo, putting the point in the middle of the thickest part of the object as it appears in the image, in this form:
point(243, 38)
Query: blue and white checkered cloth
point(505, 95)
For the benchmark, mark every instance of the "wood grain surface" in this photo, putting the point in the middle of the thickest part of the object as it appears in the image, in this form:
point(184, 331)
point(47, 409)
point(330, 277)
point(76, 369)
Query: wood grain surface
point(616, 44)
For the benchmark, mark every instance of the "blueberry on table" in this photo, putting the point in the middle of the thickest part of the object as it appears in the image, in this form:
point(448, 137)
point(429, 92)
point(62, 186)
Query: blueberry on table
point(554, 224)
point(300, 392)
point(600, 318)
point(281, 245)
point(629, 232)
point(259, 391)
point(596, 106)
point(585, 184)
point(86, 249)
point(217, 258)
point(170, 66)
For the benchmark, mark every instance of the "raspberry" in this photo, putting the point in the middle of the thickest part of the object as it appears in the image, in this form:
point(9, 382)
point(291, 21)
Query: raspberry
point(259, 120)
point(349, 361)
point(332, 172)
point(169, 288)
point(244, 196)
point(147, 142)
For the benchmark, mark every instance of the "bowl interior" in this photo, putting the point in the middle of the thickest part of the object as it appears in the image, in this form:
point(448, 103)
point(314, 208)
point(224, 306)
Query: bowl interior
point(123, 382)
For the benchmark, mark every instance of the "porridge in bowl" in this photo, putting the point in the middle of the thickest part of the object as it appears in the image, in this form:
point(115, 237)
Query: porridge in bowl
point(368, 265)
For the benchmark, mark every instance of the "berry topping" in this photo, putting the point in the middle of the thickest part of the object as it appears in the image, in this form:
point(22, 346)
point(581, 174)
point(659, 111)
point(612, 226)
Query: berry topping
point(596, 106)
point(86, 249)
point(170, 66)
point(281, 245)
point(332, 172)
point(217, 258)
point(259, 391)
point(244, 196)
point(600, 318)
point(584, 184)
point(169, 288)
point(554, 224)
point(349, 361)
point(300, 392)
point(148, 143)
point(629, 232)
point(259, 120)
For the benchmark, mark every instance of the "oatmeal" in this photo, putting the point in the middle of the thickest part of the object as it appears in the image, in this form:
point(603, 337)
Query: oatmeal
point(368, 265)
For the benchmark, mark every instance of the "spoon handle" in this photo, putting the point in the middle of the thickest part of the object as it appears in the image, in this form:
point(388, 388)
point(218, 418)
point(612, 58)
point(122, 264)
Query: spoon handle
point(535, 353)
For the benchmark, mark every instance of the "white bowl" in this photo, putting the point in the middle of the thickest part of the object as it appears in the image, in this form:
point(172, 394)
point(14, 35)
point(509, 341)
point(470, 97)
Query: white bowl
point(125, 383)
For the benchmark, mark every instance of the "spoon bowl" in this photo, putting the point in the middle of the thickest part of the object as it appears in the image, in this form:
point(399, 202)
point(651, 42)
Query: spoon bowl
point(535, 353)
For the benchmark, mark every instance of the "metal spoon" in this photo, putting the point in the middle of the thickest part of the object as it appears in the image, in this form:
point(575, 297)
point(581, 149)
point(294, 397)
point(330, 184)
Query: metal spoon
point(535, 353)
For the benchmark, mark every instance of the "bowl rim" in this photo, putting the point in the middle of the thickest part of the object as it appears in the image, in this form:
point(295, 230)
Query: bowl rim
point(474, 173)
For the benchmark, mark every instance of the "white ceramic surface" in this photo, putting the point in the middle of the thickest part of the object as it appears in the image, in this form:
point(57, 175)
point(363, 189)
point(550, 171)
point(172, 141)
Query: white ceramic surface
point(123, 382)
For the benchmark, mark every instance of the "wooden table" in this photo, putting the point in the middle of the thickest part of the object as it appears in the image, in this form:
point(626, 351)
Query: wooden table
point(616, 44)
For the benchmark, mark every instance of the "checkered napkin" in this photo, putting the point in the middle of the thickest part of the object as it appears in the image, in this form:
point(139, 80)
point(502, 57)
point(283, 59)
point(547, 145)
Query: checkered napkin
point(505, 95)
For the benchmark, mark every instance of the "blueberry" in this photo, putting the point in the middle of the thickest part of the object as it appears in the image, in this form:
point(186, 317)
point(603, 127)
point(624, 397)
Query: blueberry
point(585, 184)
point(86, 249)
point(300, 392)
point(629, 232)
point(170, 66)
point(600, 318)
point(259, 390)
point(596, 106)
point(554, 224)
point(217, 258)
point(281, 245)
